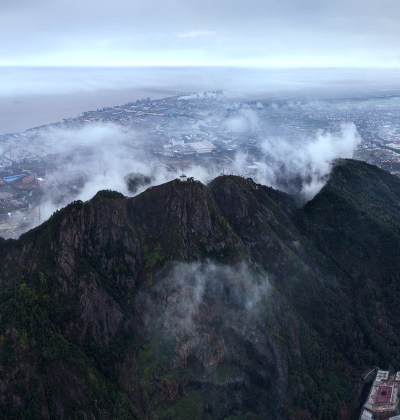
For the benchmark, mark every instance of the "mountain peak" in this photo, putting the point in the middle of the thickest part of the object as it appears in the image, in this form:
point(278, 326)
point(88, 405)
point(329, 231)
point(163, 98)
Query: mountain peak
point(209, 302)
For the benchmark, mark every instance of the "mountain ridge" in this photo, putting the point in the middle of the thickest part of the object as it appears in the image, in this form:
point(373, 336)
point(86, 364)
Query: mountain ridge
point(84, 298)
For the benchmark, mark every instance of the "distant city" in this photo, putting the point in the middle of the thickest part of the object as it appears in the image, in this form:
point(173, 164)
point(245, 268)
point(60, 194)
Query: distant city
point(182, 130)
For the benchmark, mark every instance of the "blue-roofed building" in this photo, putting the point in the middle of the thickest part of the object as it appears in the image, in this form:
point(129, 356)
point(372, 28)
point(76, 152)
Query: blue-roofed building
point(13, 178)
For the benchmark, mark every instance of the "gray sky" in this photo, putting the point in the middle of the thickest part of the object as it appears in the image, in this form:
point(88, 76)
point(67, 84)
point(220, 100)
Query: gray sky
point(207, 32)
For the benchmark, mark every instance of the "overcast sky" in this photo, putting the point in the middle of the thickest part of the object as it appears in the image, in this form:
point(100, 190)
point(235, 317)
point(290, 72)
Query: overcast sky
point(200, 32)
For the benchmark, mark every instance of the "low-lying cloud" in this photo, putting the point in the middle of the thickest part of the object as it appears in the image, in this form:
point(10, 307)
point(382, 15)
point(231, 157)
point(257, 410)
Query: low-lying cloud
point(183, 291)
point(295, 163)
point(209, 319)
point(309, 160)
point(101, 156)
point(96, 156)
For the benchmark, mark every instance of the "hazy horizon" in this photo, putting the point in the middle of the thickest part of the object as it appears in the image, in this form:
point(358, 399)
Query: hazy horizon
point(33, 96)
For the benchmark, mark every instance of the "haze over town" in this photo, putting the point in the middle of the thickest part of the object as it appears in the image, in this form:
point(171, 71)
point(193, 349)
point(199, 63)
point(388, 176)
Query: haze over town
point(274, 91)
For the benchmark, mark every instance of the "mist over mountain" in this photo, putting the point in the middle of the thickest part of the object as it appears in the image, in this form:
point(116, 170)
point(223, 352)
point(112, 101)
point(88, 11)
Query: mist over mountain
point(205, 302)
point(200, 135)
point(192, 225)
point(283, 128)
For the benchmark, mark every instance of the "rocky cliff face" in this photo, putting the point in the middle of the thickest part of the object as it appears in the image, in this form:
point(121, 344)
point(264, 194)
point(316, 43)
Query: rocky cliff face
point(208, 302)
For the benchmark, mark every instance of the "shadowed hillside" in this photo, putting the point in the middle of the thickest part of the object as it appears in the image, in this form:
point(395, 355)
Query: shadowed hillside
point(203, 302)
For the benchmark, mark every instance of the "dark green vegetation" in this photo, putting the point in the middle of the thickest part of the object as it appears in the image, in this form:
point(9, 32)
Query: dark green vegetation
point(195, 302)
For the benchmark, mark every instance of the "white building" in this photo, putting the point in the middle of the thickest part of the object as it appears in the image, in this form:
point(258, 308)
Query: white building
point(202, 146)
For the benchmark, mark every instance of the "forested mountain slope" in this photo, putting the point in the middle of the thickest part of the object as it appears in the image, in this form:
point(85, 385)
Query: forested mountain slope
point(204, 302)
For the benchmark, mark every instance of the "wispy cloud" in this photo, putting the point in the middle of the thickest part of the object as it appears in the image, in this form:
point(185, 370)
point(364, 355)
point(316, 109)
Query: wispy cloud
point(194, 34)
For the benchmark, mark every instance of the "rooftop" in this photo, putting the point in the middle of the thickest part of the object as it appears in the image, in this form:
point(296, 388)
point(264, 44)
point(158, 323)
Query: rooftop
point(383, 395)
point(383, 398)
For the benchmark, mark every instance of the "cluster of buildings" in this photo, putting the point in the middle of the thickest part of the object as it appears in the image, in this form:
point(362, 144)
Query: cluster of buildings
point(383, 399)
point(175, 125)
point(24, 180)
point(205, 129)
point(376, 120)
point(20, 148)
point(16, 191)
point(187, 148)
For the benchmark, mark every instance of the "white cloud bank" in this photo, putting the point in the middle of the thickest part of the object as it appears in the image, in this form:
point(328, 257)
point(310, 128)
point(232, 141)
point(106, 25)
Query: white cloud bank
point(106, 155)
point(310, 160)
